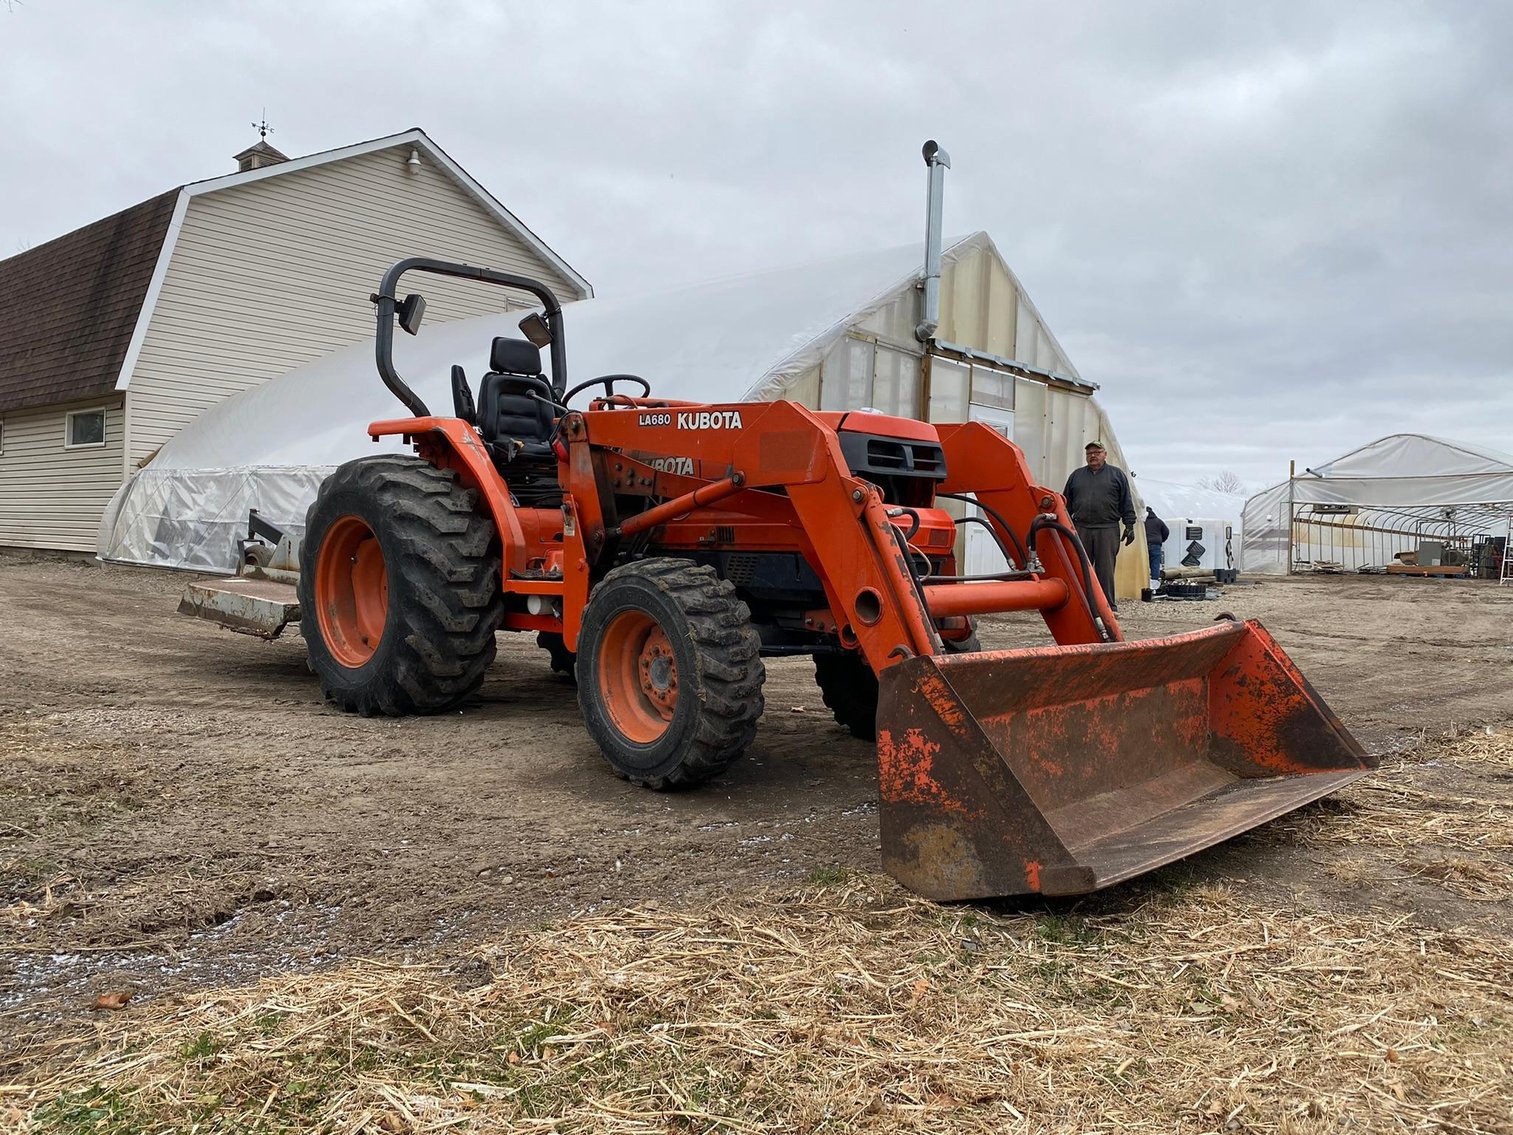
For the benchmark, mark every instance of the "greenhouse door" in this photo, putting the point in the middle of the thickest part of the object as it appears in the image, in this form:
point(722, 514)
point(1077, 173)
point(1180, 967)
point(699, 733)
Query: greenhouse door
point(983, 556)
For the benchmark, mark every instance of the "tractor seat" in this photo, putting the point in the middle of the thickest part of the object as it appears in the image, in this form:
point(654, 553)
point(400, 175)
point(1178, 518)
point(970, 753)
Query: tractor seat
point(513, 420)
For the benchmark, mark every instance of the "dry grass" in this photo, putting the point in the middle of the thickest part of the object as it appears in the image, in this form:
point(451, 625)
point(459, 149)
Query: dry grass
point(855, 1006)
point(1403, 818)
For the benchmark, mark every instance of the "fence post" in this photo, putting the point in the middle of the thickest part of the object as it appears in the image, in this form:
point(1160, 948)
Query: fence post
point(1292, 471)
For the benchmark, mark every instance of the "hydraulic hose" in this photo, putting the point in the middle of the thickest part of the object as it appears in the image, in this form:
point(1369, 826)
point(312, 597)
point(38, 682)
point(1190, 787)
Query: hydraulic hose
point(909, 550)
point(991, 577)
point(897, 511)
point(1024, 559)
point(1038, 525)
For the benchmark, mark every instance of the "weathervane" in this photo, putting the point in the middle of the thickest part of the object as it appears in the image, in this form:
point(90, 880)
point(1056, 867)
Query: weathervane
point(262, 128)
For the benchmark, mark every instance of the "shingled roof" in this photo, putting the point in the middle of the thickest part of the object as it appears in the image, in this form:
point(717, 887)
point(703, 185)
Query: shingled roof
point(74, 303)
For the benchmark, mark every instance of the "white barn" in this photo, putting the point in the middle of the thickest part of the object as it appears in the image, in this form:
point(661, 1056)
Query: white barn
point(133, 326)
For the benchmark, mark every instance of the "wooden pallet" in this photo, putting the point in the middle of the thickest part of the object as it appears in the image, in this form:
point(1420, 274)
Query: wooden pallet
point(1415, 569)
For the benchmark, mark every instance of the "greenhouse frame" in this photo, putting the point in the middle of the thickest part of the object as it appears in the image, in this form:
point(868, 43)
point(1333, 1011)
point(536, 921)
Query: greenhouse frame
point(1401, 501)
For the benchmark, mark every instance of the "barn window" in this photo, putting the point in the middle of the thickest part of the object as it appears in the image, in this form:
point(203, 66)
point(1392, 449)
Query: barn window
point(84, 428)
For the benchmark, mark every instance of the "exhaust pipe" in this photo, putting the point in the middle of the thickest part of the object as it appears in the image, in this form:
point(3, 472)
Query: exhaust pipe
point(938, 162)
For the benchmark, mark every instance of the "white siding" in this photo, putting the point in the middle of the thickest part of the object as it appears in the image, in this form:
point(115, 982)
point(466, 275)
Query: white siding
point(270, 275)
point(52, 497)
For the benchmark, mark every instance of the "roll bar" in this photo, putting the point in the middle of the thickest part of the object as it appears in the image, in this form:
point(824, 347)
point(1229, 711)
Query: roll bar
point(387, 304)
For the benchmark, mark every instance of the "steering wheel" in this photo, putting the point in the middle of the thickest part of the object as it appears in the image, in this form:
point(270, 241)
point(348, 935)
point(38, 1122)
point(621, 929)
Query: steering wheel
point(608, 382)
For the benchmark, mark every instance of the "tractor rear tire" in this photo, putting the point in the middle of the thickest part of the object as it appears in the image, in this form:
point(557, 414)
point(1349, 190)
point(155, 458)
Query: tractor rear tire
point(669, 673)
point(398, 587)
point(849, 687)
point(968, 645)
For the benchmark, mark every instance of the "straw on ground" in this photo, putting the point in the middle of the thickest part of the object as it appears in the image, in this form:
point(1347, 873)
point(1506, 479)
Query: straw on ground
point(855, 1006)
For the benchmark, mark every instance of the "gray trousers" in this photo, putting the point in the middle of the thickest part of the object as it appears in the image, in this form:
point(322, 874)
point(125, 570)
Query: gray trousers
point(1102, 544)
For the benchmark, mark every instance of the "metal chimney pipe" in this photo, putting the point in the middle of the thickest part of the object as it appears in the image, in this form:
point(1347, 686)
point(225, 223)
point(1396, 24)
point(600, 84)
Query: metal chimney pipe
point(938, 162)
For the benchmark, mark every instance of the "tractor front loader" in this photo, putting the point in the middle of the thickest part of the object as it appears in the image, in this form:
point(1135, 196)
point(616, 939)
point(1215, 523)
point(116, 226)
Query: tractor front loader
point(662, 549)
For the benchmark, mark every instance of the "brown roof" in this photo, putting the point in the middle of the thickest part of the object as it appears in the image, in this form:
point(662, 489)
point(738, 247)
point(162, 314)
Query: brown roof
point(72, 305)
point(261, 148)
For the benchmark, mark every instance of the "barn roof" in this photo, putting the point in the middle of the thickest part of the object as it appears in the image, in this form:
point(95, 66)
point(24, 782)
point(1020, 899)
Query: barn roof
point(88, 295)
point(74, 303)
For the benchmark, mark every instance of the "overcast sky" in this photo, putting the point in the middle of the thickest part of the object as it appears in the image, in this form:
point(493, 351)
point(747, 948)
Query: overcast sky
point(1268, 230)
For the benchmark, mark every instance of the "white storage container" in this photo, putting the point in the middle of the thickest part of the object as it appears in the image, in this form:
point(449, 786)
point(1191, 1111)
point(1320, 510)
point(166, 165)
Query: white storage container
point(1199, 542)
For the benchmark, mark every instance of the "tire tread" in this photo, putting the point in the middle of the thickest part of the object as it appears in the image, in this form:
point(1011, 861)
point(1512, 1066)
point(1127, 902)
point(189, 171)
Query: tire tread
point(445, 579)
point(731, 669)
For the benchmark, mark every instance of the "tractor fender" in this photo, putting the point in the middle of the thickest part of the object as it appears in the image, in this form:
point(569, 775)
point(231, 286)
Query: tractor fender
point(450, 443)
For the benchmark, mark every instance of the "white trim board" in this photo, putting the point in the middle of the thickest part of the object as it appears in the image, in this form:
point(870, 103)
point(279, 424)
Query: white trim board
point(154, 286)
point(70, 415)
point(414, 137)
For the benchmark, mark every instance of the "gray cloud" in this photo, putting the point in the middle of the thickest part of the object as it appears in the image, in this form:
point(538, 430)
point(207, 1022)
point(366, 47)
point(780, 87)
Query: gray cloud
point(1269, 231)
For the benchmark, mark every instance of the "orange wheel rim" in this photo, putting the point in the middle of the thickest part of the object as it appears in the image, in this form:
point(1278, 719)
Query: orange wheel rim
point(638, 676)
point(351, 591)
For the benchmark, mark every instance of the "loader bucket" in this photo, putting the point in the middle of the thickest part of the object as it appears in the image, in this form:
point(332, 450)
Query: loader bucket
point(1065, 769)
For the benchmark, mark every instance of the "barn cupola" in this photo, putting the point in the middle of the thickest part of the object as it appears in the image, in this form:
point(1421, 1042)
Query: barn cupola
point(259, 155)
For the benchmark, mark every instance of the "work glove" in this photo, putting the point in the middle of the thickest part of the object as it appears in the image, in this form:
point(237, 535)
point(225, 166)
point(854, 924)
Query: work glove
point(1129, 533)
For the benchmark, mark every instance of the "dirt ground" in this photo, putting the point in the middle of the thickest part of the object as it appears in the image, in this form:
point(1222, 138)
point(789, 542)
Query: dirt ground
point(179, 809)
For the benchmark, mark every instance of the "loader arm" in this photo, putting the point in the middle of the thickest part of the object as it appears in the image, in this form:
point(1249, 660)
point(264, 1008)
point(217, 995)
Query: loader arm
point(853, 540)
point(983, 462)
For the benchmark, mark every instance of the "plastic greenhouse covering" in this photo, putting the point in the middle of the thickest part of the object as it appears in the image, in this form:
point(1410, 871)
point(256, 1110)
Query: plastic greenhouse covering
point(1175, 502)
point(269, 447)
point(1362, 509)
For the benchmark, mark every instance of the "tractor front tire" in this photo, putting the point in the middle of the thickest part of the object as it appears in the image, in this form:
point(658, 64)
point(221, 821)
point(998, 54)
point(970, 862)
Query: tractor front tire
point(669, 673)
point(398, 587)
point(968, 645)
point(849, 689)
point(563, 660)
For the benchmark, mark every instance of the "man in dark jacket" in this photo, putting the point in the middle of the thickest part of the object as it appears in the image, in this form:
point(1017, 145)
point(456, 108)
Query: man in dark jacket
point(1156, 533)
point(1098, 498)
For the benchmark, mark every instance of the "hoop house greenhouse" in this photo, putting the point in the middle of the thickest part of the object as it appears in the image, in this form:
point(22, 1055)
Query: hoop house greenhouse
point(1407, 499)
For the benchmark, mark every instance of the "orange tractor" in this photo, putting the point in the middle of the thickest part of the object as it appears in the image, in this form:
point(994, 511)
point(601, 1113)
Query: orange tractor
point(662, 549)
